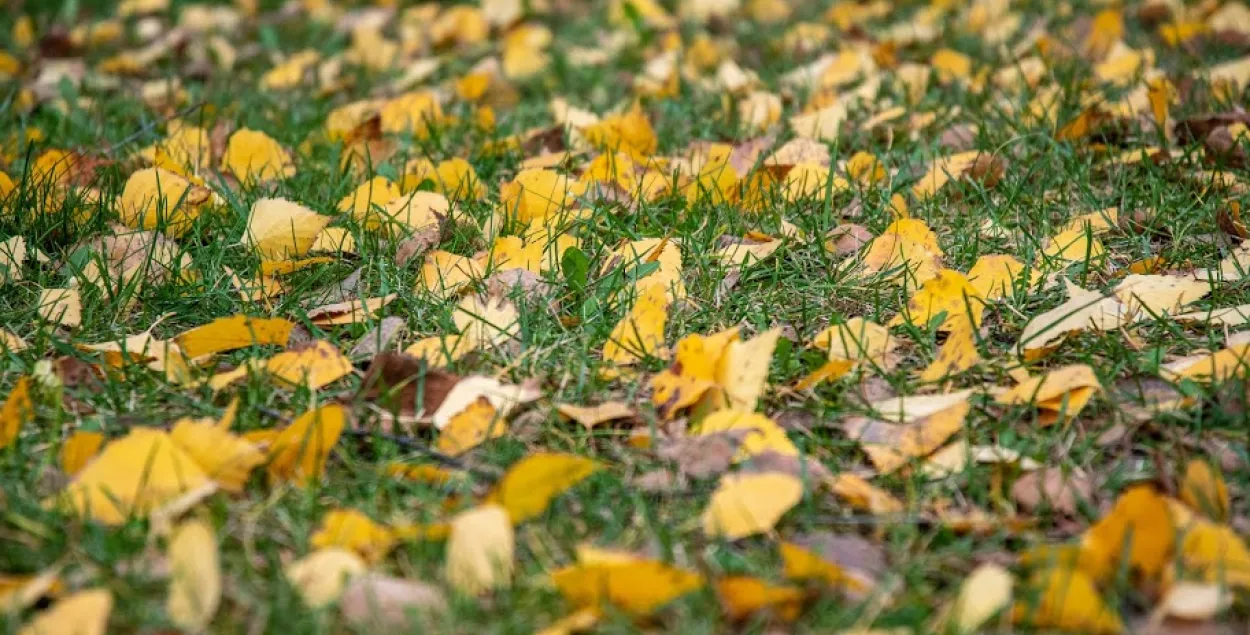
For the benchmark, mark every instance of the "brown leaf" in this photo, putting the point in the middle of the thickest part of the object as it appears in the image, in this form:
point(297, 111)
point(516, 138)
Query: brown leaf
point(504, 283)
point(414, 247)
point(1053, 489)
point(396, 381)
point(379, 338)
point(660, 481)
point(704, 456)
point(806, 468)
point(847, 239)
point(959, 137)
point(860, 560)
point(379, 602)
point(1195, 128)
point(746, 154)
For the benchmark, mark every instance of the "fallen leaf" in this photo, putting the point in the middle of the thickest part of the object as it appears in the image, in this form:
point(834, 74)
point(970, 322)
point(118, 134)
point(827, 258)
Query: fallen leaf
point(378, 602)
point(891, 446)
point(1139, 528)
point(982, 595)
point(748, 504)
point(351, 530)
point(300, 451)
point(635, 586)
point(761, 433)
point(279, 229)
point(847, 563)
point(79, 449)
point(591, 416)
point(83, 613)
point(322, 576)
point(640, 333)
point(314, 366)
point(1205, 491)
point(61, 306)
point(350, 312)
point(254, 157)
point(1067, 600)
point(18, 409)
point(1193, 601)
point(225, 458)
point(480, 550)
point(1083, 311)
point(1060, 394)
point(195, 576)
point(529, 486)
point(743, 596)
point(1052, 488)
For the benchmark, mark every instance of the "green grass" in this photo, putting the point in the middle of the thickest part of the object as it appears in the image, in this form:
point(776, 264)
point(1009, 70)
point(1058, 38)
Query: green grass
point(801, 288)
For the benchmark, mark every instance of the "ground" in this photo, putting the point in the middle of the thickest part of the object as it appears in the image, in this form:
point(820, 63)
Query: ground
point(1037, 203)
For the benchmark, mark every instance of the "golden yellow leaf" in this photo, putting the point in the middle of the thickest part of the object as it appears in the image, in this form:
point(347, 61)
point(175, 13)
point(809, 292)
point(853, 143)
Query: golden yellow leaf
point(528, 487)
point(591, 416)
point(641, 332)
point(822, 125)
point(753, 247)
point(535, 194)
point(742, 371)
point(487, 321)
point(18, 409)
point(831, 370)
point(350, 312)
point(158, 199)
point(743, 596)
point(942, 170)
point(1139, 528)
point(334, 240)
point(195, 576)
point(480, 550)
point(862, 495)
point(133, 476)
point(410, 214)
point(471, 427)
point(1084, 310)
point(411, 113)
point(224, 457)
point(79, 449)
point(857, 339)
point(230, 333)
point(1074, 245)
point(892, 445)
point(316, 365)
point(61, 306)
point(254, 157)
point(764, 433)
point(848, 563)
point(958, 353)
point(1205, 491)
point(1061, 393)
point(323, 575)
point(444, 273)
point(748, 504)
point(982, 595)
point(947, 294)
point(579, 621)
point(279, 229)
point(83, 613)
point(369, 196)
point(664, 251)
point(904, 260)
point(351, 530)
point(629, 132)
point(635, 586)
point(1217, 552)
point(11, 342)
point(1067, 600)
point(996, 276)
point(1147, 296)
point(299, 452)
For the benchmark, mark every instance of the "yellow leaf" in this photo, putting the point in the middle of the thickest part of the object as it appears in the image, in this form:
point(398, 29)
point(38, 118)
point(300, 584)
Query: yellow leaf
point(195, 576)
point(1074, 246)
point(890, 446)
point(410, 214)
point(848, 563)
point(636, 587)
point(530, 485)
point(444, 273)
point(591, 416)
point(254, 157)
point(764, 433)
point(1061, 394)
point(134, 475)
point(1217, 552)
point(641, 332)
point(1105, 31)
point(635, 253)
point(480, 550)
point(1084, 310)
point(367, 197)
point(902, 258)
point(743, 596)
point(753, 247)
point(535, 194)
point(982, 595)
point(958, 353)
point(83, 613)
point(862, 495)
point(487, 321)
point(1147, 296)
point(78, 450)
point(10, 342)
point(948, 293)
point(1066, 600)
point(323, 575)
point(350, 312)
point(951, 65)
point(18, 409)
point(224, 457)
point(821, 125)
point(351, 530)
point(995, 276)
point(942, 170)
point(857, 339)
point(299, 452)
point(1205, 491)
point(1193, 601)
point(279, 229)
point(1139, 527)
point(334, 240)
point(316, 365)
point(831, 370)
point(742, 371)
point(230, 333)
point(158, 199)
point(1218, 366)
point(629, 132)
point(411, 113)
point(61, 306)
point(748, 504)
point(471, 427)
point(579, 621)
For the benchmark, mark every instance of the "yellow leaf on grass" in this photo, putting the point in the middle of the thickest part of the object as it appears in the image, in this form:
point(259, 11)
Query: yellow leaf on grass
point(996, 276)
point(255, 157)
point(351, 530)
point(905, 260)
point(83, 613)
point(748, 504)
point(529, 486)
point(696, 363)
point(350, 312)
point(487, 321)
point(299, 452)
point(280, 229)
point(628, 132)
point(78, 450)
point(892, 445)
point(1205, 491)
point(753, 247)
point(742, 371)
point(1213, 367)
point(958, 353)
point(471, 427)
point(444, 273)
point(535, 194)
point(764, 433)
point(641, 332)
point(369, 196)
point(1146, 296)
point(316, 365)
point(1067, 600)
point(230, 333)
point(743, 596)
point(195, 576)
point(1061, 394)
point(158, 199)
point(637, 253)
point(1084, 310)
point(635, 586)
point(334, 240)
point(224, 457)
point(591, 416)
point(947, 294)
point(842, 562)
point(480, 550)
point(982, 595)
point(133, 476)
point(1217, 552)
point(1074, 245)
point(61, 306)
point(323, 575)
point(1139, 528)
point(18, 409)
point(862, 495)
point(857, 339)
point(1193, 601)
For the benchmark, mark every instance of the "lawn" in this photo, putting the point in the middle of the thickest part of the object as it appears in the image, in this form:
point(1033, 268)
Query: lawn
point(693, 316)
